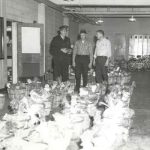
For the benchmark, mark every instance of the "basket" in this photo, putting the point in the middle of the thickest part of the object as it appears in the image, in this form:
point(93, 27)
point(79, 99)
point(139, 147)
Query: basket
point(17, 94)
point(118, 79)
point(91, 79)
point(112, 80)
point(56, 102)
point(33, 86)
point(126, 79)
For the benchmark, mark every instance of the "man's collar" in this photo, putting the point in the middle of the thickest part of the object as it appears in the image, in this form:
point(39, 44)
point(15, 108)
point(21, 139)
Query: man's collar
point(83, 41)
point(102, 39)
point(62, 37)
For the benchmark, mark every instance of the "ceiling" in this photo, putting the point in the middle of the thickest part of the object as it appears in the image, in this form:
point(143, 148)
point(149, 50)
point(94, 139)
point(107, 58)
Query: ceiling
point(103, 2)
point(91, 10)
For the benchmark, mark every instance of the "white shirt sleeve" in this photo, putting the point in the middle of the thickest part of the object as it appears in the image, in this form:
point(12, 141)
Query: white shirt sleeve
point(109, 49)
point(95, 53)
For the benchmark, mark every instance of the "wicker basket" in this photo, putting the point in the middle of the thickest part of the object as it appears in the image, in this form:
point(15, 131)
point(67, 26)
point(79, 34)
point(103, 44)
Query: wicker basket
point(17, 94)
point(126, 79)
point(112, 80)
point(33, 86)
point(118, 79)
point(56, 101)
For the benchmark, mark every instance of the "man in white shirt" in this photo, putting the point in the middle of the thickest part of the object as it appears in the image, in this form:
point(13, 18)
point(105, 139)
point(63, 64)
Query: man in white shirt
point(101, 57)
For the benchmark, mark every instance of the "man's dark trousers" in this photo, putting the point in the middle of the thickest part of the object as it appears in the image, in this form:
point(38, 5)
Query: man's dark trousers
point(101, 69)
point(82, 62)
point(61, 66)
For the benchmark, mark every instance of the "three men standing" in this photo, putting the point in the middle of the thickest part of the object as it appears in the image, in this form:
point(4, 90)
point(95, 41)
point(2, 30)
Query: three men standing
point(82, 59)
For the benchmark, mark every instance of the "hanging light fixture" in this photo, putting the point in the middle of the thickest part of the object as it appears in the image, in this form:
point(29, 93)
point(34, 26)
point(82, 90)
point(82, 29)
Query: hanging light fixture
point(100, 21)
point(132, 19)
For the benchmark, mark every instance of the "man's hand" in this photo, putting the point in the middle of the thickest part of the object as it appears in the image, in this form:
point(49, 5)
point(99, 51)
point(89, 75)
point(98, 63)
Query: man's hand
point(107, 62)
point(64, 50)
point(69, 51)
point(73, 64)
point(90, 65)
point(94, 62)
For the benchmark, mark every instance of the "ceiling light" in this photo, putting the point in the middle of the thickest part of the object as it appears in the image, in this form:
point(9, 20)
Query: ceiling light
point(100, 21)
point(132, 19)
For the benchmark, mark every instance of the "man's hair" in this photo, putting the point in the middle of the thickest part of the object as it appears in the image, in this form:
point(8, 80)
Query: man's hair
point(101, 31)
point(63, 27)
point(83, 31)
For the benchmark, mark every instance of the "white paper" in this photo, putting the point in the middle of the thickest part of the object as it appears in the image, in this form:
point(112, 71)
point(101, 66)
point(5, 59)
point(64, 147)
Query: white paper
point(30, 40)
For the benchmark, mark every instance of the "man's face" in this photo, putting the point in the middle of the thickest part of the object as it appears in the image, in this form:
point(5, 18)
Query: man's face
point(99, 35)
point(63, 32)
point(83, 36)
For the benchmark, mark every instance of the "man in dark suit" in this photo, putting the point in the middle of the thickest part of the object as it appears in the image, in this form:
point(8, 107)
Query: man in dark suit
point(60, 49)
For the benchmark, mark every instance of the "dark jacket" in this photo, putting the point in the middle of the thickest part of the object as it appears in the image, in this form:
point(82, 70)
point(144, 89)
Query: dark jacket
point(58, 43)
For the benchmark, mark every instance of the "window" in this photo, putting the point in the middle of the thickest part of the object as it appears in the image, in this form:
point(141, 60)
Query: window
point(139, 45)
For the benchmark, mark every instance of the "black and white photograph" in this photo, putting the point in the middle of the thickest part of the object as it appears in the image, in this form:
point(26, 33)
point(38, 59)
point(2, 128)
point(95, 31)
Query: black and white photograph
point(74, 74)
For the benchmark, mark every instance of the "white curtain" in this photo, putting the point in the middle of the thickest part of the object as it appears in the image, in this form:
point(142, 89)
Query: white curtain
point(139, 45)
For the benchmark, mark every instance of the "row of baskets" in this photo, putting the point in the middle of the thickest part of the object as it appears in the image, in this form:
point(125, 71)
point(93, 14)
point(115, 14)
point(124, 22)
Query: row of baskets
point(18, 91)
point(119, 79)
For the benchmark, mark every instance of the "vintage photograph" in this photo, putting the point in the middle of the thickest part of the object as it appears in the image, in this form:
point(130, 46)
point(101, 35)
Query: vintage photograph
point(74, 74)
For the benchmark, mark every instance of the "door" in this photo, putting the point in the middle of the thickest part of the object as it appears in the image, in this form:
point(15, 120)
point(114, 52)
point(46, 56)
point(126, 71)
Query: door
point(28, 59)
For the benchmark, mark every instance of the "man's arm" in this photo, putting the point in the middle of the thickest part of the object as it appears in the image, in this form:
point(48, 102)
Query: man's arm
point(95, 55)
point(74, 54)
point(69, 47)
point(52, 46)
point(91, 54)
point(108, 53)
point(109, 49)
